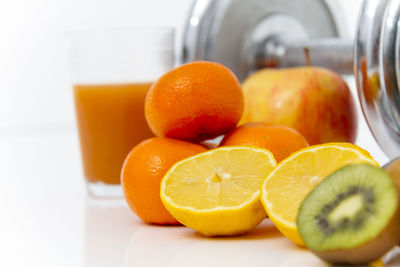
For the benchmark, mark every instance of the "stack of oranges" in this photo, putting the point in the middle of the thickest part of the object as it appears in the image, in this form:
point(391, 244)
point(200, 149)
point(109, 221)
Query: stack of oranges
point(192, 103)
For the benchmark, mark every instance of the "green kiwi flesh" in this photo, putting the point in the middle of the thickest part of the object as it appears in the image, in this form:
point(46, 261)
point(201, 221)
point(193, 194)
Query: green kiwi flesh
point(352, 216)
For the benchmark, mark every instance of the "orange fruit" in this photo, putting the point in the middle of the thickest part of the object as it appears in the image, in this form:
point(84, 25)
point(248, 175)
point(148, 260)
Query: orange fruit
point(143, 170)
point(194, 102)
point(281, 140)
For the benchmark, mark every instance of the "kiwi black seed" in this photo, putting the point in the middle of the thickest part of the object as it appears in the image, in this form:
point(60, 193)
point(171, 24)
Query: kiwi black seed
point(352, 216)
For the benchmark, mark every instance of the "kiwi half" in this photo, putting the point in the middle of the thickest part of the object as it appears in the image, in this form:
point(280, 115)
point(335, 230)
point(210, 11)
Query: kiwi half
point(393, 168)
point(352, 216)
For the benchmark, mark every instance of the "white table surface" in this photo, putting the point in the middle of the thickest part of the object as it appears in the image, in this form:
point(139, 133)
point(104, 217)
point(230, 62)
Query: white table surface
point(48, 220)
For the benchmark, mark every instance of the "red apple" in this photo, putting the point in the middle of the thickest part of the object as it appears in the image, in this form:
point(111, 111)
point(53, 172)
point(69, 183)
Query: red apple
point(315, 101)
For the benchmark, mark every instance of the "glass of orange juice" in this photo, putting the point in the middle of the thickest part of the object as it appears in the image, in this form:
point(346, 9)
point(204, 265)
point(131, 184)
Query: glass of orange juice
point(112, 69)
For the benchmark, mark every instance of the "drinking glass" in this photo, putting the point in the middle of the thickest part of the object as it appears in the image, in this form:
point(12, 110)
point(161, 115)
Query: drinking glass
point(112, 70)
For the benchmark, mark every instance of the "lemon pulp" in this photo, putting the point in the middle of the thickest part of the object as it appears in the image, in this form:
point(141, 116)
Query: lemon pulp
point(217, 192)
point(293, 178)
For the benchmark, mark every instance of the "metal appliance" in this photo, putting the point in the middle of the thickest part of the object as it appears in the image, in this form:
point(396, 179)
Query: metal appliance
point(253, 34)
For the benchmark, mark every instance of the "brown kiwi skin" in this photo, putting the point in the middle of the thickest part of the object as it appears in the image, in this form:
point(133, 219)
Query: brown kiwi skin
point(370, 251)
point(393, 169)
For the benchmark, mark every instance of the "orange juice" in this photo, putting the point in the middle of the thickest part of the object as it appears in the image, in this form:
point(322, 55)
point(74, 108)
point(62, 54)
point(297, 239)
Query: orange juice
point(110, 122)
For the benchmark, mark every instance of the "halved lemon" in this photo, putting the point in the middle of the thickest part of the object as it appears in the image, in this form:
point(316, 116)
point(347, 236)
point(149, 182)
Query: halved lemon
point(293, 178)
point(217, 193)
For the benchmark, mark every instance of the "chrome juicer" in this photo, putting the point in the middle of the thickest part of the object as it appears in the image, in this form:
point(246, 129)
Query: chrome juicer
point(253, 34)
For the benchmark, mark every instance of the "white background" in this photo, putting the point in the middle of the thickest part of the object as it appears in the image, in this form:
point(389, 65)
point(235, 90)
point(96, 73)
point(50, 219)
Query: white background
point(34, 75)
point(45, 216)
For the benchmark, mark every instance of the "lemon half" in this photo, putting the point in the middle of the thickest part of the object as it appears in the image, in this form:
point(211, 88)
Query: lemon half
point(293, 178)
point(217, 193)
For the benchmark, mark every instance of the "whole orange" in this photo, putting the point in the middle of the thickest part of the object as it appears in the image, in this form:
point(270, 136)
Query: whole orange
point(143, 170)
point(281, 140)
point(194, 102)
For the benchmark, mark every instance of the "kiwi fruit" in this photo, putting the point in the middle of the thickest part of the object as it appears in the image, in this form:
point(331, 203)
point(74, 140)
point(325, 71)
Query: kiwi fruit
point(393, 168)
point(352, 216)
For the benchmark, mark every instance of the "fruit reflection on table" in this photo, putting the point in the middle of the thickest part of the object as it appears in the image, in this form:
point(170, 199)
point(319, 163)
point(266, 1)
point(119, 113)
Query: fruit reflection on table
point(229, 190)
